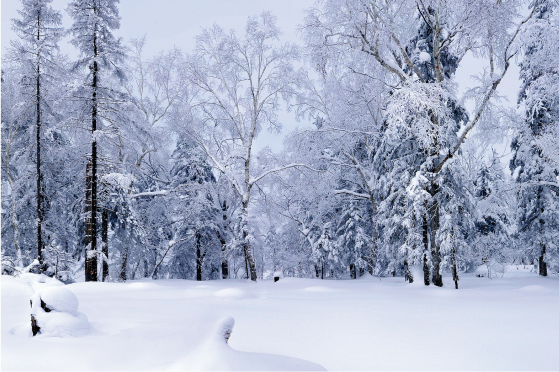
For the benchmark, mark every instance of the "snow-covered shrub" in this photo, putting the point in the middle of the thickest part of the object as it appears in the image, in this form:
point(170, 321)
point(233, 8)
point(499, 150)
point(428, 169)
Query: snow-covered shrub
point(54, 313)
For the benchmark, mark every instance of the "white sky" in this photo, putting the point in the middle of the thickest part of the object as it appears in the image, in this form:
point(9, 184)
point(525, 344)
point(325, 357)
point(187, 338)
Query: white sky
point(168, 23)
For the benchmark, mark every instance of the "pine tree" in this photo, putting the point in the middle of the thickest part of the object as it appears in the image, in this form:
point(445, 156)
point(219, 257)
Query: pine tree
point(100, 52)
point(532, 165)
point(36, 50)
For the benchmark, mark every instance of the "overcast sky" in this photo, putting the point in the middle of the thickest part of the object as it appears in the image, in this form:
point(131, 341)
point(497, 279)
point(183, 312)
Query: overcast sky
point(168, 23)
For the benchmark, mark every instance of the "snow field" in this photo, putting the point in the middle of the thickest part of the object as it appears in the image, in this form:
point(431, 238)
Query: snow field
point(507, 323)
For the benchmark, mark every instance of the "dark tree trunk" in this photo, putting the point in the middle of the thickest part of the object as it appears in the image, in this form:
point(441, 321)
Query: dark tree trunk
point(352, 271)
point(224, 261)
point(105, 242)
point(124, 265)
point(322, 272)
point(199, 258)
point(454, 266)
point(435, 249)
point(91, 204)
point(40, 243)
point(316, 271)
point(407, 273)
point(426, 273)
point(542, 265)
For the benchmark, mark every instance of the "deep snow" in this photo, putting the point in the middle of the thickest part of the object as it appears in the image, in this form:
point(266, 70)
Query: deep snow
point(508, 323)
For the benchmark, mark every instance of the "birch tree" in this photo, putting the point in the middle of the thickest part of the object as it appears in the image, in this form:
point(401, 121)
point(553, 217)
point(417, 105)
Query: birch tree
point(237, 83)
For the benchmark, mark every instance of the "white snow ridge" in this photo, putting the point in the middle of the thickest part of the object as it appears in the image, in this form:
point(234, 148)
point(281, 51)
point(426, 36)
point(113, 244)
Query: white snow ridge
point(216, 355)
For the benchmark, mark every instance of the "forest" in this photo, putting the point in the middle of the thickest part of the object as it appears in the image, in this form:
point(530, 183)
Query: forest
point(117, 167)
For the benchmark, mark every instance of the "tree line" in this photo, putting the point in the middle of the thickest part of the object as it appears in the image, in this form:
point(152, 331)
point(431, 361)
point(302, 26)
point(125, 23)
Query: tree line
point(116, 166)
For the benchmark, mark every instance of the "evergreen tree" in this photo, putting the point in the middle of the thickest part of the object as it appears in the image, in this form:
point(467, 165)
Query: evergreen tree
point(36, 50)
point(100, 53)
point(533, 165)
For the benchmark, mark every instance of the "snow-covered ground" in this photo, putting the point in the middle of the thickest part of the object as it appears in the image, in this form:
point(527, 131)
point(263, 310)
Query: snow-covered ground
point(508, 323)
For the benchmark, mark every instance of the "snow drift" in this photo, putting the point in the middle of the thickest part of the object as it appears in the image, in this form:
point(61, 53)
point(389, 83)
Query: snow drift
point(216, 355)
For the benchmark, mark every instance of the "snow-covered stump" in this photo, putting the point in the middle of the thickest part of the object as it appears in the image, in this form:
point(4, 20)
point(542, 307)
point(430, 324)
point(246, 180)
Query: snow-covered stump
point(54, 312)
point(278, 275)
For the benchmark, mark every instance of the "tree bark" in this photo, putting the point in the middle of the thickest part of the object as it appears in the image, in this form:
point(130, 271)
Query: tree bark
point(454, 267)
point(199, 258)
point(246, 247)
point(352, 271)
point(224, 261)
point(91, 204)
point(407, 272)
point(40, 243)
point(426, 272)
point(542, 265)
point(435, 249)
point(123, 265)
point(105, 242)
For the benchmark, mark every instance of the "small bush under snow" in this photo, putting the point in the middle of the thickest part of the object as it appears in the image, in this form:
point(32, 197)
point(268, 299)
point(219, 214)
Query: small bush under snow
point(55, 310)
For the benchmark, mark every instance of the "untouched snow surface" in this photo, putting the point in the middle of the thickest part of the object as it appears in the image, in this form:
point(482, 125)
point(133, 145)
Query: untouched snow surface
point(508, 323)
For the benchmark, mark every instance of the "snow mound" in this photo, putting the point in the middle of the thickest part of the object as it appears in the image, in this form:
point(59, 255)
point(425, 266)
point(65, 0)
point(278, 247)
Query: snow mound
point(233, 293)
point(534, 288)
point(216, 355)
point(57, 299)
point(318, 288)
point(417, 273)
point(481, 271)
point(55, 309)
point(38, 281)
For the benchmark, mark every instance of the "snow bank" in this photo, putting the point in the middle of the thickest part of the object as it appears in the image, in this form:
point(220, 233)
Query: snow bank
point(55, 309)
point(38, 281)
point(233, 293)
point(216, 355)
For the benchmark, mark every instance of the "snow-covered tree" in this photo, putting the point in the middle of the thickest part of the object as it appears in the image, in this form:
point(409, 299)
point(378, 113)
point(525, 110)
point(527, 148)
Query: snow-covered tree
point(535, 163)
point(100, 54)
point(36, 52)
point(237, 83)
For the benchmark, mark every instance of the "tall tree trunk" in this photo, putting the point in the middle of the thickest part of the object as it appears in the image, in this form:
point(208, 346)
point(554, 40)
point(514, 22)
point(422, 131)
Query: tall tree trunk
point(105, 242)
point(435, 249)
point(198, 258)
point(124, 264)
point(224, 262)
point(407, 272)
point(91, 209)
point(40, 243)
point(453, 258)
point(542, 265)
point(246, 246)
point(425, 228)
